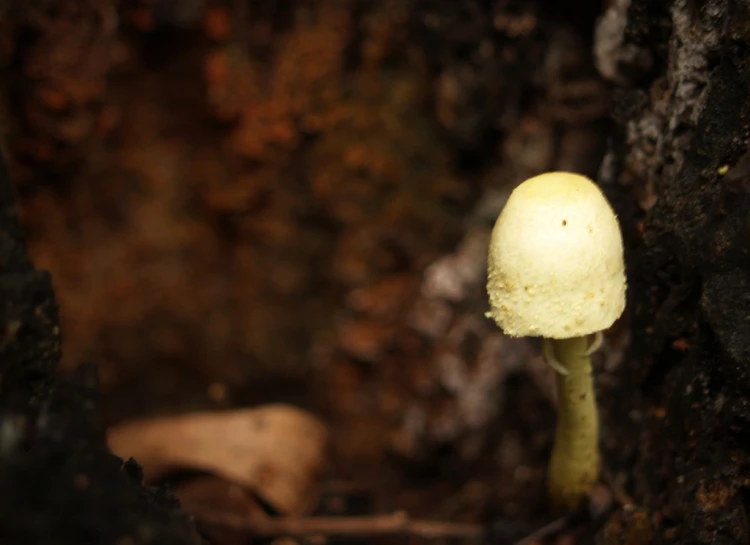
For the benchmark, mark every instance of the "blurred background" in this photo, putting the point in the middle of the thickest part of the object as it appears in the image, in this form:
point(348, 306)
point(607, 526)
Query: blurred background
point(246, 201)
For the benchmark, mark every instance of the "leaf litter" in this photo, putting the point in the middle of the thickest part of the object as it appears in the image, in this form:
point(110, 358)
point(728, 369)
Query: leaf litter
point(276, 451)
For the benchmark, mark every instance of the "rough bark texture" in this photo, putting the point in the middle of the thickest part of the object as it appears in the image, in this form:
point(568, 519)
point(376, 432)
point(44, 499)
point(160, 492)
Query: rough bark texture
point(681, 151)
point(59, 482)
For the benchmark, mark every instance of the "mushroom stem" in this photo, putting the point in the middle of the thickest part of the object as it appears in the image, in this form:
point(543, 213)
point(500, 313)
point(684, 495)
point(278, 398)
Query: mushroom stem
point(574, 466)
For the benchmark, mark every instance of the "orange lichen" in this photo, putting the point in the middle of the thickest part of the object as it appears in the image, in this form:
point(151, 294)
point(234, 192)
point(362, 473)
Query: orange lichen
point(713, 496)
point(61, 81)
point(217, 23)
point(256, 198)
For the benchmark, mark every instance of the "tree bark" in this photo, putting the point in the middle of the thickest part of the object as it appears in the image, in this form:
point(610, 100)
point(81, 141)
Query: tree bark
point(60, 484)
point(679, 165)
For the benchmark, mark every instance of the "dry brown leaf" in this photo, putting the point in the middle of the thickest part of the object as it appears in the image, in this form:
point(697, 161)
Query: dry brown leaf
point(277, 451)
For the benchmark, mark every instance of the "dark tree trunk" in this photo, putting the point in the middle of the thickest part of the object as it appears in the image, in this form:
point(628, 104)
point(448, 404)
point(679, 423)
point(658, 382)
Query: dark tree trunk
point(680, 165)
point(60, 484)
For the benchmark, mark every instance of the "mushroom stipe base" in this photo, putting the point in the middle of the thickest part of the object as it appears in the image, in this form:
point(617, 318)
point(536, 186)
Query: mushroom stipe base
point(575, 462)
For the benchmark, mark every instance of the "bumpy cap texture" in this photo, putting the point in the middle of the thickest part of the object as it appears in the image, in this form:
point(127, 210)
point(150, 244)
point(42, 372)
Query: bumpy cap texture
point(555, 265)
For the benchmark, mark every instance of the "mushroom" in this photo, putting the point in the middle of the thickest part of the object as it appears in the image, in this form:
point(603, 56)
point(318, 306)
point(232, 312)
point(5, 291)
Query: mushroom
point(556, 270)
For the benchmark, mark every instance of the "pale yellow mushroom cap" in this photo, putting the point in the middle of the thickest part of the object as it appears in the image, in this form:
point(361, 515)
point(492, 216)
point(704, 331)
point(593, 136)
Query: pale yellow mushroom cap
point(555, 266)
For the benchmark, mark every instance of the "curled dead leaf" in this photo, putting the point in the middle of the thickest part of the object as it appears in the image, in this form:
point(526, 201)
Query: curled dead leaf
point(276, 451)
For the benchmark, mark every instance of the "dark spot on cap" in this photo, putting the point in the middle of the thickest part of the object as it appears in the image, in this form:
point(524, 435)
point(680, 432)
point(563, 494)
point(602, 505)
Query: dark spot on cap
point(565, 222)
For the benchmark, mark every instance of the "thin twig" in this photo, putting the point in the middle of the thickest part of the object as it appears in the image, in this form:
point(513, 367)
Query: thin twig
point(618, 492)
point(378, 525)
point(554, 527)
